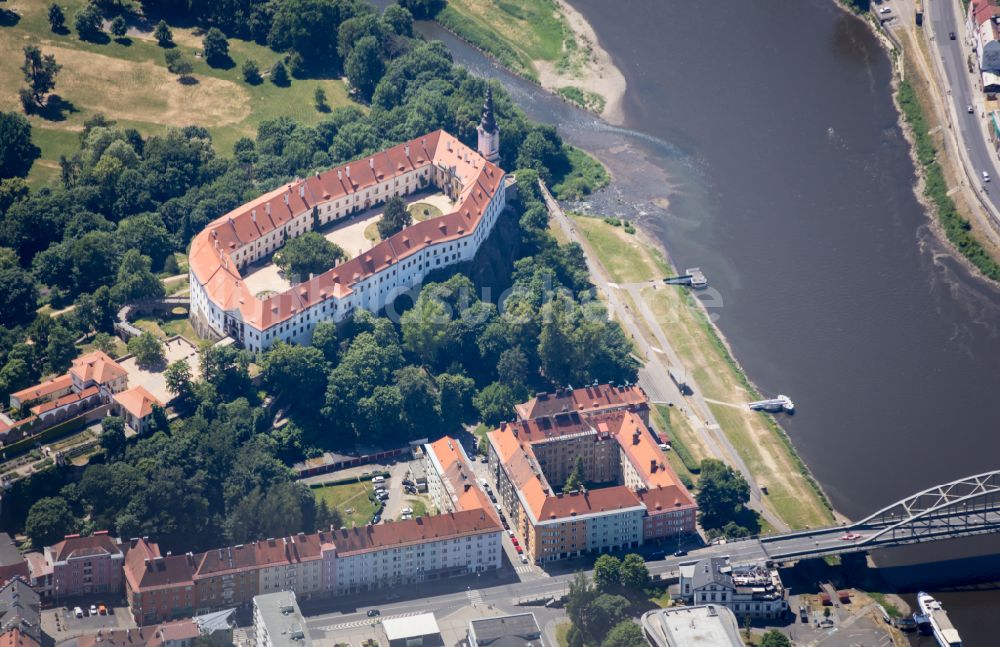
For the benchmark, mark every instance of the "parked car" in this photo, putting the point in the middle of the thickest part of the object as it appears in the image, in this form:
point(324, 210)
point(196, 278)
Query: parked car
point(510, 533)
point(378, 479)
point(885, 10)
point(407, 510)
point(409, 482)
point(372, 613)
point(951, 35)
point(93, 609)
point(520, 550)
point(524, 559)
point(483, 459)
point(986, 176)
point(78, 612)
point(101, 609)
point(680, 552)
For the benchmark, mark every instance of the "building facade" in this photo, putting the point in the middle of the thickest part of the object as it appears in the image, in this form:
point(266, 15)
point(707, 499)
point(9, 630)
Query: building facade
point(748, 591)
point(78, 566)
point(222, 304)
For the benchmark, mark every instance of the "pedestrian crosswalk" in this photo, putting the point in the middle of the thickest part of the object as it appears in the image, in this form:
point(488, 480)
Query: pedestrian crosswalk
point(474, 596)
point(367, 621)
point(523, 569)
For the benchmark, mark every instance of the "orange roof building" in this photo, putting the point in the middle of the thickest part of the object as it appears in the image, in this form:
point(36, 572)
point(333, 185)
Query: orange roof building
point(451, 482)
point(221, 302)
point(639, 497)
point(135, 405)
point(44, 392)
point(96, 368)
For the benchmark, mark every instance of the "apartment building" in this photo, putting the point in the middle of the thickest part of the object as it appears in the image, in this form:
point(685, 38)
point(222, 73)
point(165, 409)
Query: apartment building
point(78, 565)
point(221, 302)
point(158, 587)
point(633, 495)
point(451, 483)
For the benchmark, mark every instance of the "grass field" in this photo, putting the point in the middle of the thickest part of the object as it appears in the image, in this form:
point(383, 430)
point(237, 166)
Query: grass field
point(760, 442)
point(515, 32)
point(422, 211)
point(351, 499)
point(129, 82)
point(164, 327)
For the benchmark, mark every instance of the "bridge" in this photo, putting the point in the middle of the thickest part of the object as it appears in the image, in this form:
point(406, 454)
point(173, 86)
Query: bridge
point(961, 508)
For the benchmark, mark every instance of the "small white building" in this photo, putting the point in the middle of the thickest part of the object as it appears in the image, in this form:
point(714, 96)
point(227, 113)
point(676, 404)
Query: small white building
point(755, 591)
point(278, 621)
point(413, 631)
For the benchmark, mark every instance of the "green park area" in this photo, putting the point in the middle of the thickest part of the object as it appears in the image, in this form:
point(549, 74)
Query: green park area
point(353, 500)
point(128, 81)
point(764, 447)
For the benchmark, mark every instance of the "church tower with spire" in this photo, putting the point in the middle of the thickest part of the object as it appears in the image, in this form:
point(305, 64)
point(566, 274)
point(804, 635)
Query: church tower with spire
point(489, 134)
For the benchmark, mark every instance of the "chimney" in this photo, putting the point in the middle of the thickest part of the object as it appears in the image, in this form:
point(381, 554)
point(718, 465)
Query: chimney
point(406, 150)
point(340, 174)
point(635, 438)
point(652, 466)
point(348, 171)
point(285, 196)
point(302, 191)
point(267, 208)
point(371, 163)
point(253, 215)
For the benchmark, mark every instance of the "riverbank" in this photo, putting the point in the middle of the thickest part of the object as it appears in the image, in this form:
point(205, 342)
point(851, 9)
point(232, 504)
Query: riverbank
point(546, 41)
point(955, 216)
point(635, 262)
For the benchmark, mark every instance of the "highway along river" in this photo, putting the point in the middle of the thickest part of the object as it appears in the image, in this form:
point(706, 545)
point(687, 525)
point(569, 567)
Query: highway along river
point(771, 132)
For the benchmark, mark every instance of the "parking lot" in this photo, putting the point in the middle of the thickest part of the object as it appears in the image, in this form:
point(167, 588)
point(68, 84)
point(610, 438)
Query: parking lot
point(61, 622)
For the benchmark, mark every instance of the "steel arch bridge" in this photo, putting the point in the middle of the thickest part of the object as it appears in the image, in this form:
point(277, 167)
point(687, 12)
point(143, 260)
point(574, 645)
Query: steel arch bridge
point(960, 508)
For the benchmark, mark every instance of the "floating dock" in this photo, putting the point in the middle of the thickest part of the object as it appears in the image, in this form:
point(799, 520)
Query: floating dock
point(780, 403)
point(692, 277)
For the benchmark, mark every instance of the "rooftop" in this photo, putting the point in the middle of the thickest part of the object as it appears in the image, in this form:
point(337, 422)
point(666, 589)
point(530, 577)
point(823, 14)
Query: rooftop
point(584, 400)
point(520, 630)
point(19, 608)
point(423, 624)
point(9, 554)
point(280, 614)
point(74, 546)
point(137, 401)
point(45, 389)
point(700, 626)
point(97, 366)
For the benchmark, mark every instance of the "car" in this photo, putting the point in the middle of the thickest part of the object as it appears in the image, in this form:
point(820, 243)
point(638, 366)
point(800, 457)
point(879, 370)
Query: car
point(78, 612)
point(885, 10)
point(951, 35)
point(383, 497)
point(524, 559)
point(483, 459)
point(968, 109)
point(510, 533)
point(373, 613)
point(680, 552)
point(408, 482)
point(101, 609)
point(986, 176)
point(513, 539)
point(665, 447)
point(407, 510)
point(93, 609)
point(519, 549)
point(378, 479)
point(851, 536)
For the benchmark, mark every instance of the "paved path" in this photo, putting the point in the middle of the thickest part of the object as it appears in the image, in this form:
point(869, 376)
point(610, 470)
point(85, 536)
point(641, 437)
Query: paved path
point(653, 376)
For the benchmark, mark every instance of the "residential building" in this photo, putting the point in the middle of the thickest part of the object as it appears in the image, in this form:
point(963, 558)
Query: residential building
point(983, 23)
point(179, 633)
point(519, 630)
point(589, 400)
point(17, 638)
point(451, 483)
point(748, 591)
point(278, 621)
point(79, 565)
point(135, 406)
point(416, 550)
point(158, 587)
point(634, 495)
point(706, 626)
point(221, 302)
point(20, 609)
point(12, 562)
point(48, 390)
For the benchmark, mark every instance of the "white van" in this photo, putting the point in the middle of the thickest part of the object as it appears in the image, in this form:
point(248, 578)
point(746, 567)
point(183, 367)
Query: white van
point(378, 479)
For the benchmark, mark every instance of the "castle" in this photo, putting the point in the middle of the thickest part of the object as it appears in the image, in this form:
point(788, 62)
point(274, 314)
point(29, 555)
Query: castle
point(222, 304)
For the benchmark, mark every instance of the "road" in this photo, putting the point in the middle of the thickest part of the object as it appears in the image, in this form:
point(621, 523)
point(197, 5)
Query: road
point(653, 376)
point(943, 17)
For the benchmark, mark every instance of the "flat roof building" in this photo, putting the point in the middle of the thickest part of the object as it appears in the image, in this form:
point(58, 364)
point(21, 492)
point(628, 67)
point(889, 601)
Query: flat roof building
point(413, 631)
point(702, 626)
point(278, 621)
point(519, 630)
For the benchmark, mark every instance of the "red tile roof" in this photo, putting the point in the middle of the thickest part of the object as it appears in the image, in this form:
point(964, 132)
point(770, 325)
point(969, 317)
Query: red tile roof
point(146, 569)
point(45, 389)
point(586, 400)
point(16, 638)
point(67, 399)
point(460, 481)
point(414, 531)
point(605, 499)
point(211, 251)
point(99, 543)
point(137, 401)
point(97, 366)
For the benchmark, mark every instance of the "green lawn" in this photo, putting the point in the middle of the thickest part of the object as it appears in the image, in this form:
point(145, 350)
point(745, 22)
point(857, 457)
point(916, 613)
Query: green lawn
point(561, 630)
point(164, 327)
point(351, 499)
point(130, 83)
point(516, 32)
point(423, 211)
point(659, 597)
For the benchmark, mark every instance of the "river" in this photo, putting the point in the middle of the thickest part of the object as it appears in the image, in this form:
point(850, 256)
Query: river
point(762, 145)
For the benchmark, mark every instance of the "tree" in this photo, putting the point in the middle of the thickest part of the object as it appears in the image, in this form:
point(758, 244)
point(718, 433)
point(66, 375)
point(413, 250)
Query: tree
point(634, 574)
point(319, 98)
point(326, 339)
point(495, 403)
point(251, 73)
point(574, 482)
point(603, 613)
point(310, 253)
point(177, 378)
point(399, 20)
point(119, 27)
point(88, 23)
point(296, 373)
point(625, 634)
point(216, 47)
point(177, 64)
point(607, 573)
point(455, 394)
point(148, 350)
point(423, 9)
point(57, 19)
point(17, 153)
point(136, 281)
point(279, 74)
point(512, 367)
point(364, 66)
point(164, 37)
point(113, 436)
point(106, 343)
point(722, 494)
point(394, 218)
point(49, 520)
point(39, 73)
point(60, 349)
point(775, 638)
